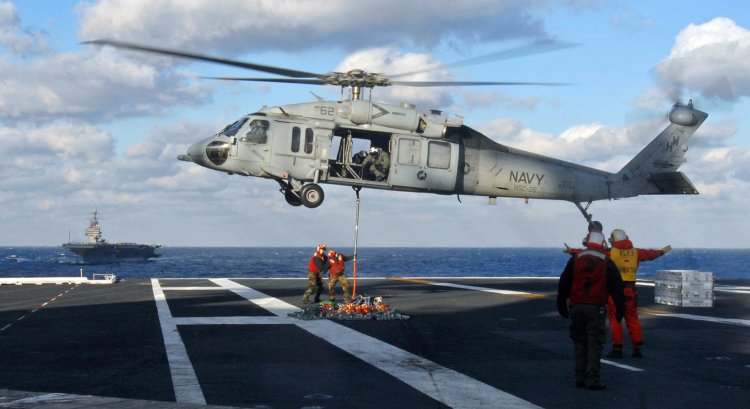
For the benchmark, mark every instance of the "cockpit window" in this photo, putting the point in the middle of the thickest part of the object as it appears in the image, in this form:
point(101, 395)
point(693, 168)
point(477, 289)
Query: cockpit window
point(232, 129)
point(257, 132)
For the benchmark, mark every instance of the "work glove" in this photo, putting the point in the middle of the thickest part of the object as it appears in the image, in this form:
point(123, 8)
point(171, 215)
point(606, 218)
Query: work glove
point(666, 249)
point(567, 248)
point(563, 310)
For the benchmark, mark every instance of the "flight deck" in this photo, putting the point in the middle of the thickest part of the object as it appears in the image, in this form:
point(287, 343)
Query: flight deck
point(467, 343)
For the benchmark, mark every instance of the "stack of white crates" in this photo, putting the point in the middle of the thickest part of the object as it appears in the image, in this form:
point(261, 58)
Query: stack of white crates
point(684, 288)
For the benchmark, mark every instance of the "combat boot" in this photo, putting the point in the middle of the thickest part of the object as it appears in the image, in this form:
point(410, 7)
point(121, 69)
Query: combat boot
point(637, 353)
point(615, 353)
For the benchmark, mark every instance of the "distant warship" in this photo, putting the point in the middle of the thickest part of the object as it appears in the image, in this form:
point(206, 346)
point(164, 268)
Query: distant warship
point(97, 250)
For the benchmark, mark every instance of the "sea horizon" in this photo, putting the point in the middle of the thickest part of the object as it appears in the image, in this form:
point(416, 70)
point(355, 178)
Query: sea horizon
point(185, 262)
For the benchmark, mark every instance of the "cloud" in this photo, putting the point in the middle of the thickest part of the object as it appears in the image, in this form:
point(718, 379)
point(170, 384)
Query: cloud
point(16, 39)
point(711, 58)
point(249, 26)
point(94, 84)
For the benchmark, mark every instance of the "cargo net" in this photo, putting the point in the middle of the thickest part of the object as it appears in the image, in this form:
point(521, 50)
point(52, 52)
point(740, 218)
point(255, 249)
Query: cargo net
point(360, 308)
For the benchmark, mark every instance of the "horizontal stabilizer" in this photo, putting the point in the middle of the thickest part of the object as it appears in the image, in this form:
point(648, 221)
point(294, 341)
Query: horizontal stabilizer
point(672, 183)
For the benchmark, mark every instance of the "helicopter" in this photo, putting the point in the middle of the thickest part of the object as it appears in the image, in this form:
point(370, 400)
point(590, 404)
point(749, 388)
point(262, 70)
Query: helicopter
point(364, 144)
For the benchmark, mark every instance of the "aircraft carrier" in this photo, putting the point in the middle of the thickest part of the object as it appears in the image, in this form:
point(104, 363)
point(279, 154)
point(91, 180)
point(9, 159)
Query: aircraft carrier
point(468, 343)
point(98, 251)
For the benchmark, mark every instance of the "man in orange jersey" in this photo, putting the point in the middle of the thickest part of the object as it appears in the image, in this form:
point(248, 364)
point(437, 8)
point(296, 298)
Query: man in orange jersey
point(627, 258)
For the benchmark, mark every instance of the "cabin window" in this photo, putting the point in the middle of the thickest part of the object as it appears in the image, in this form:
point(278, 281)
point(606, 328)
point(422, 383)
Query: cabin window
point(439, 155)
point(296, 133)
point(309, 134)
point(409, 152)
point(231, 129)
point(257, 132)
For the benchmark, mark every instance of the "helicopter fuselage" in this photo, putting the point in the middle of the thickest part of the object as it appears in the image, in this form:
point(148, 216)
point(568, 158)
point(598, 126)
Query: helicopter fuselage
point(303, 145)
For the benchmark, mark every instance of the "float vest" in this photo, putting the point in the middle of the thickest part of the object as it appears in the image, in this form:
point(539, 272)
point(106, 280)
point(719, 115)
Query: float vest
point(337, 264)
point(312, 267)
point(589, 278)
point(626, 261)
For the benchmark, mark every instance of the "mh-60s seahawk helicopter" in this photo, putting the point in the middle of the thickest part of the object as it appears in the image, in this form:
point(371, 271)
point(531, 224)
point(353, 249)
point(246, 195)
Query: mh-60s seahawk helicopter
point(303, 145)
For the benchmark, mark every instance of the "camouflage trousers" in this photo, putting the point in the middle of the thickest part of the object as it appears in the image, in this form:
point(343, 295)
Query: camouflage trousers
point(332, 280)
point(314, 283)
point(588, 332)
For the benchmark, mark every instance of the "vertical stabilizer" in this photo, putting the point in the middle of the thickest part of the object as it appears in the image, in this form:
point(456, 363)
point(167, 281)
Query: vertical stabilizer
point(653, 171)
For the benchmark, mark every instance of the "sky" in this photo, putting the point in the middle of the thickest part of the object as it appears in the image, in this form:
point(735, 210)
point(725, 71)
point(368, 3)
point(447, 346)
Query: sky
point(86, 128)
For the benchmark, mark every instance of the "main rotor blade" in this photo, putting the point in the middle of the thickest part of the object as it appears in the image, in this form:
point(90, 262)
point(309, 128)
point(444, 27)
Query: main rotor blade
point(311, 81)
point(468, 83)
point(538, 47)
point(200, 57)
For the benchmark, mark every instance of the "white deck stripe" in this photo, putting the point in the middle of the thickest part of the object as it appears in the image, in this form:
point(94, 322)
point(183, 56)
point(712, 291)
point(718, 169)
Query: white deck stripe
point(193, 288)
point(483, 289)
point(731, 321)
point(442, 384)
point(233, 321)
point(185, 382)
point(623, 366)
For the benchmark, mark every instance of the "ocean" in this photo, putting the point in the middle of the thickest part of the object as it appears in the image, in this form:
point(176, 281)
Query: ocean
point(234, 262)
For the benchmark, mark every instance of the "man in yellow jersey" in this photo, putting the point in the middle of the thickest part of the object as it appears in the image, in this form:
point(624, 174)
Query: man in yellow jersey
point(627, 258)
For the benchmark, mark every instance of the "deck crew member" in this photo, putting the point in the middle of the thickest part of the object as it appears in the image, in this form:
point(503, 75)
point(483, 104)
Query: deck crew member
point(336, 270)
point(627, 259)
point(589, 278)
point(317, 265)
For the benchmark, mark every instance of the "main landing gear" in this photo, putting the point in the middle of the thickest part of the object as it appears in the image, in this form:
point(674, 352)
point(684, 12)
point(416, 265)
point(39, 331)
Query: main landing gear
point(310, 195)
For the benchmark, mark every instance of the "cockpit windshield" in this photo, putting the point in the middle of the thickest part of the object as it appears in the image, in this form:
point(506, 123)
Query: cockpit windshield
point(257, 132)
point(231, 129)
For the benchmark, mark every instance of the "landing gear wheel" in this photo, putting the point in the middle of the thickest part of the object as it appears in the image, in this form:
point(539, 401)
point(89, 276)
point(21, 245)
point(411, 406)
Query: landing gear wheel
point(311, 195)
point(291, 198)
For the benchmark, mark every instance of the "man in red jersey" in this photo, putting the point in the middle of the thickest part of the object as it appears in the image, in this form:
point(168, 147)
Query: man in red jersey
point(588, 280)
point(317, 265)
point(336, 269)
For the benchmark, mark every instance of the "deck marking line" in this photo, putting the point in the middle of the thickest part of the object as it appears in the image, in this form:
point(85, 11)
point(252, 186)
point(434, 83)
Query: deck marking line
point(442, 384)
point(473, 288)
point(192, 288)
point(730, 321)
point(623, 366)
point(240, 320)
point(186, 386)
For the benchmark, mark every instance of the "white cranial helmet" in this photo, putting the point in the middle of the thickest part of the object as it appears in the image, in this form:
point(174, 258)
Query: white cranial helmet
point(618, 235)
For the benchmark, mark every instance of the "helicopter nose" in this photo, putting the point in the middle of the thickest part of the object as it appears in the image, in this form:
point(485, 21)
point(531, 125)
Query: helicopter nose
point(196, 153)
